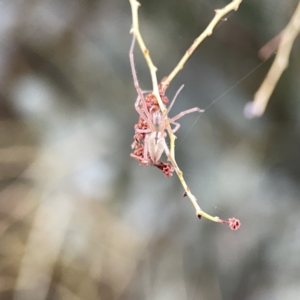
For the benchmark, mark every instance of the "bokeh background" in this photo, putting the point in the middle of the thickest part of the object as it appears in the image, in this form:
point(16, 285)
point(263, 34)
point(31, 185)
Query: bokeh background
point(80, 219)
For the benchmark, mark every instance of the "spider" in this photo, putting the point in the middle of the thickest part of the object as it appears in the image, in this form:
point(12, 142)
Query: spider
point(157, 122)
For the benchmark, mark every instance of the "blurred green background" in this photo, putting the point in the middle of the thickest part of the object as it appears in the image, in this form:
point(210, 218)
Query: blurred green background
point(79, 219)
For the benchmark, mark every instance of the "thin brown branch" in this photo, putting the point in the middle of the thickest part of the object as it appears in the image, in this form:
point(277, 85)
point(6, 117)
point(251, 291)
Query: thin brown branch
point(135, 29)
point(157, 90)
point(220, 13)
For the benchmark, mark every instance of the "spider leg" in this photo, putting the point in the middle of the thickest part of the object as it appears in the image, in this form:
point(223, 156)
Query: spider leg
point(136, 83)
point(177, 125)
point(138, 109)
point(138, 99)
point(131, 58)
point(167, 151)
point(143, 130)
point(183, 113)
point(146, 160)
point(173, 101)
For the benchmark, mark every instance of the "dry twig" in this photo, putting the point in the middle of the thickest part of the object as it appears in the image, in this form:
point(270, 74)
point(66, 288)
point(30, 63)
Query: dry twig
point(262, 96)
point(136, 31)
point(159, 91)
point(220, 13)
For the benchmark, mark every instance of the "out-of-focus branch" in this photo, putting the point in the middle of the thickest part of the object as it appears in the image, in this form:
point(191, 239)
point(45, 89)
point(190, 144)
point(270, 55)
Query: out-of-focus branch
point(262, 96)
point(270, 47)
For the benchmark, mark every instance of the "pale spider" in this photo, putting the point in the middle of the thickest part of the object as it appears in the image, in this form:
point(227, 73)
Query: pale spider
point(154, 142)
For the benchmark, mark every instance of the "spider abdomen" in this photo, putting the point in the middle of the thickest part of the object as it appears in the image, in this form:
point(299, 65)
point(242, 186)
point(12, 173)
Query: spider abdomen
point(156, 145)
